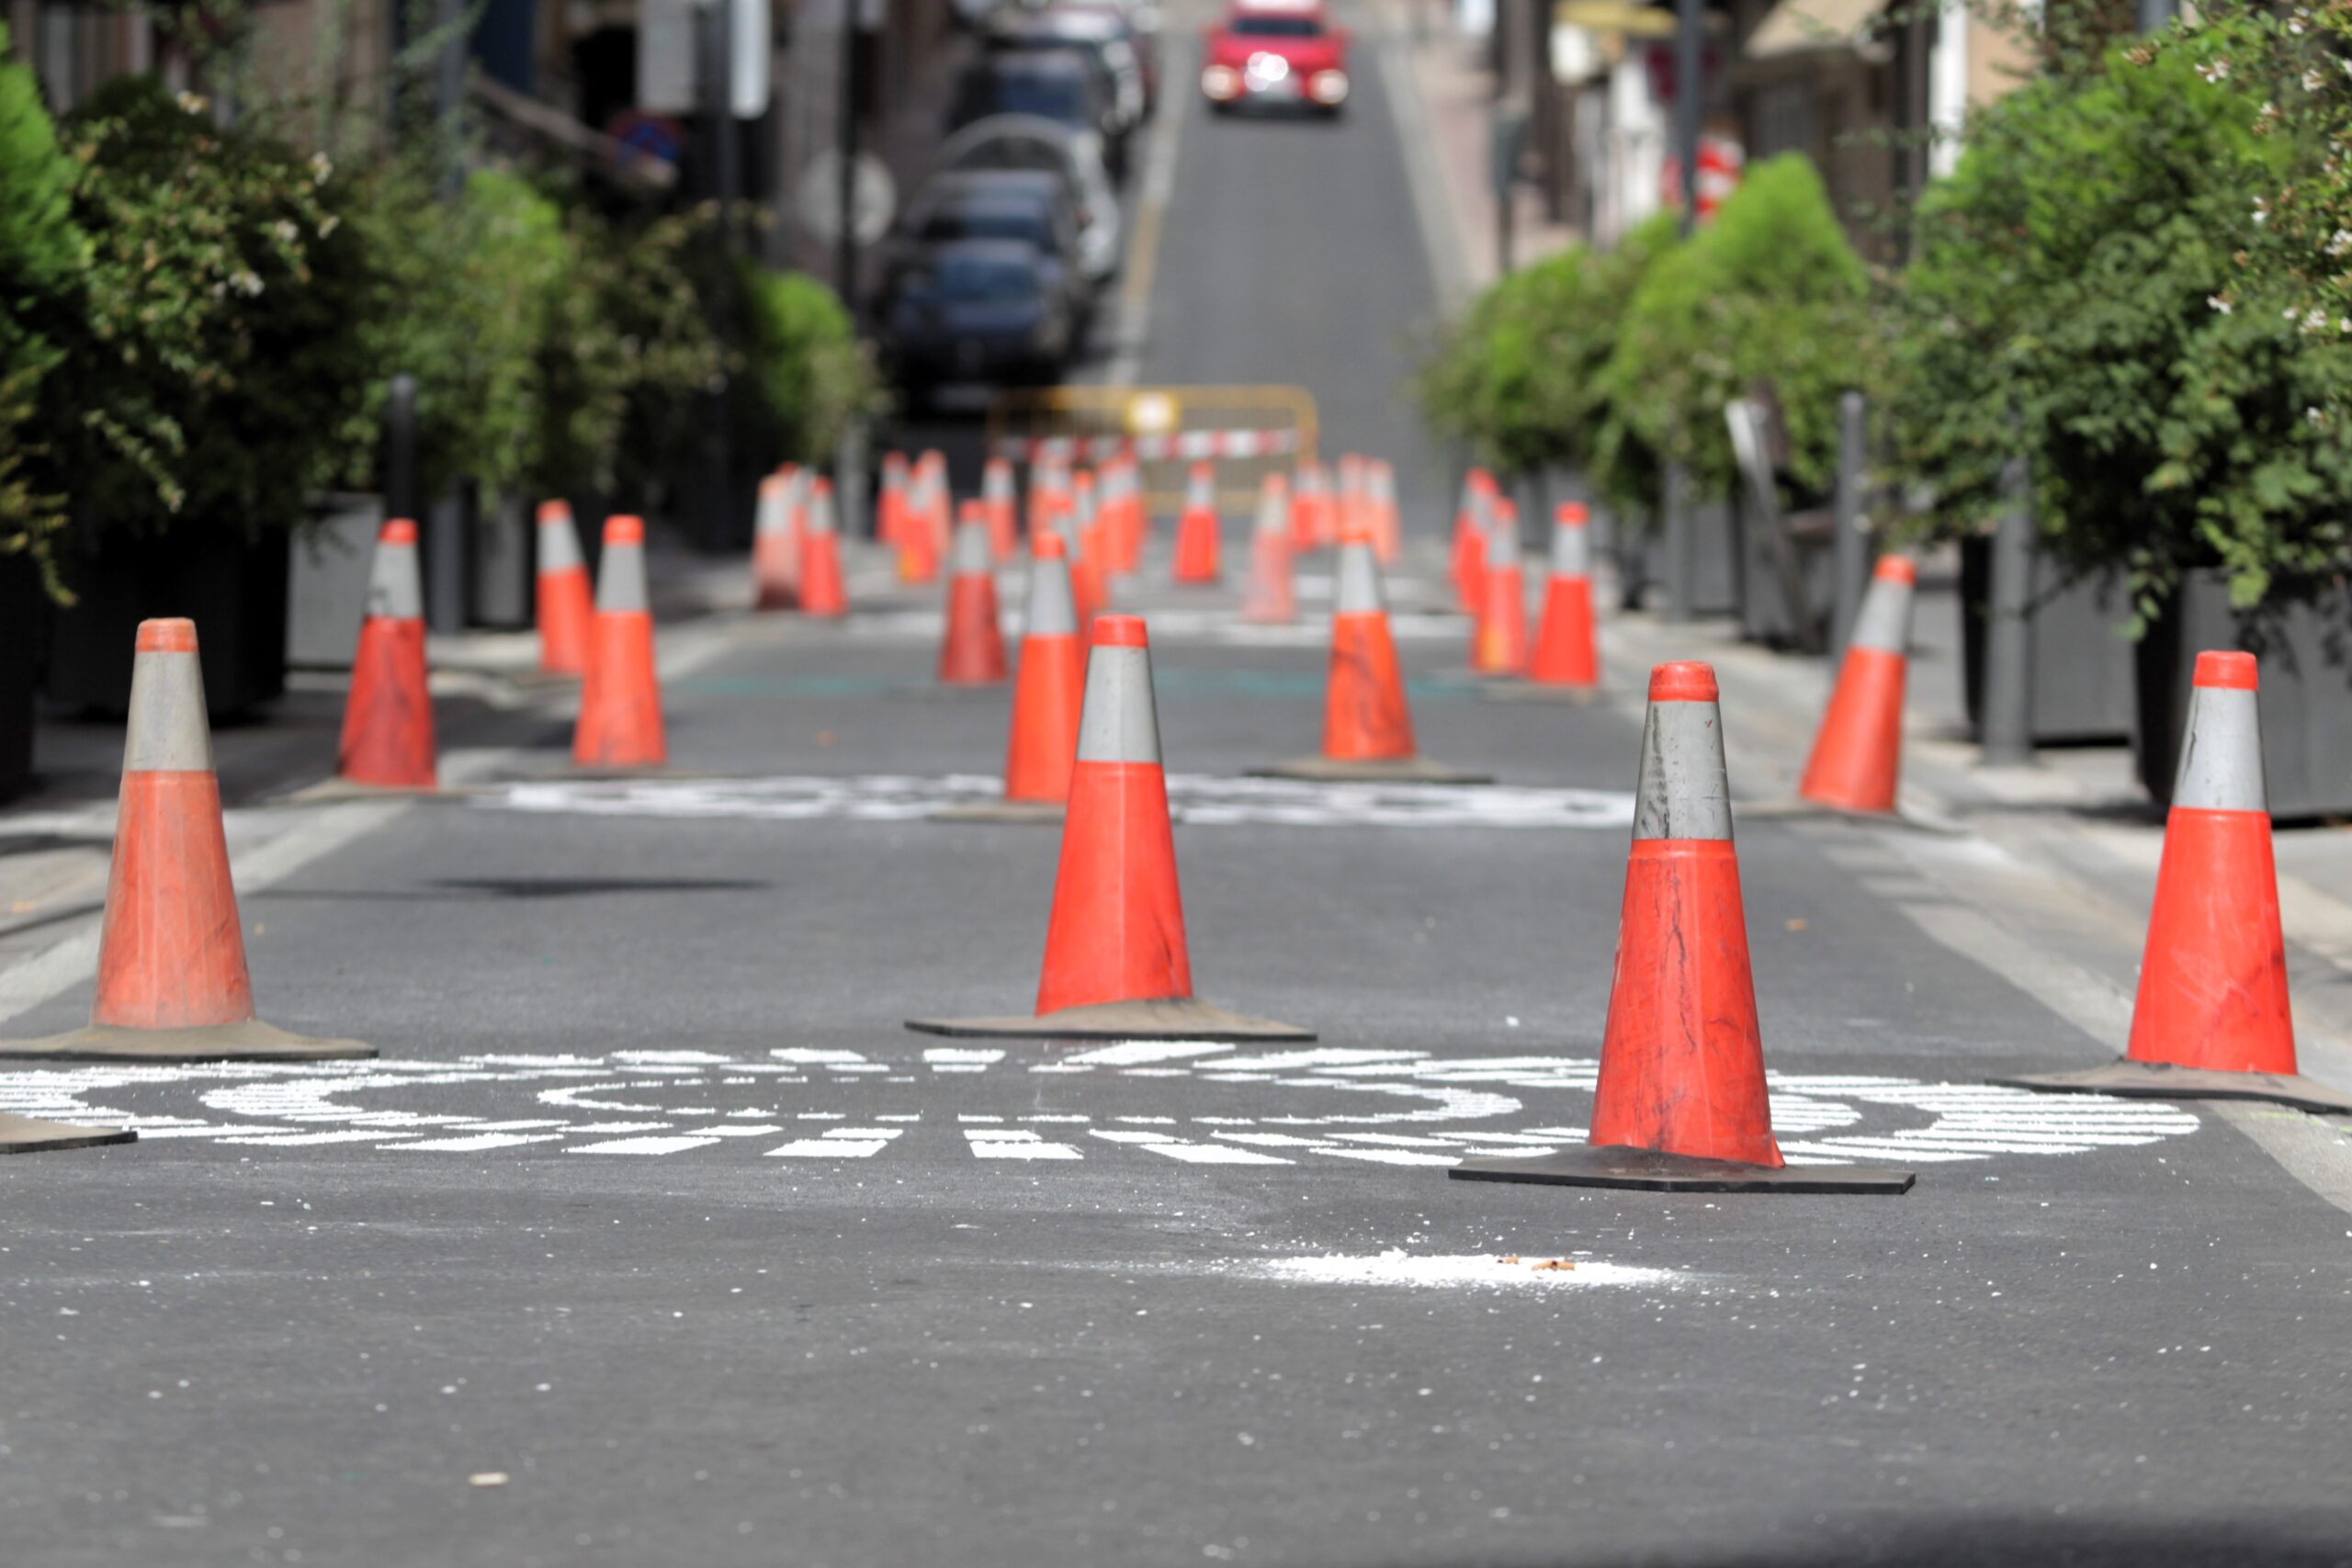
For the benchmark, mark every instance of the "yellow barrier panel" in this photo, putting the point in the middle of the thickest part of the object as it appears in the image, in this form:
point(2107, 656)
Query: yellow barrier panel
point(1246, 432)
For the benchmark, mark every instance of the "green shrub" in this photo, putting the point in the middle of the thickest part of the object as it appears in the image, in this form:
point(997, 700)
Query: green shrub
point(206, 356)
point(1769, 292)
point(466, 296)
point(805, 371)
point(41, 256)
point(2068, 306)
point(1517, 376)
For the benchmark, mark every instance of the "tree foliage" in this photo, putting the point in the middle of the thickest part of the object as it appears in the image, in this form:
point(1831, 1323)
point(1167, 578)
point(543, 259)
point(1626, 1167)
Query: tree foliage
point(1769, 292)
point(2075, 302)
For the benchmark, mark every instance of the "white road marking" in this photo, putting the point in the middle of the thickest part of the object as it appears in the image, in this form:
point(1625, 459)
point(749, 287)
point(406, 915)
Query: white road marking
point(1013, 1143)
point(1195, 800)
point(1391, 1107)
point(1475, 1271)
point(840, 1143)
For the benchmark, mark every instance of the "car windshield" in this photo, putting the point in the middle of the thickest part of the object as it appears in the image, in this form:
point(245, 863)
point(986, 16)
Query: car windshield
point(1062, 98)
point(985, 223)
point(981, 279)
point(1277, 27)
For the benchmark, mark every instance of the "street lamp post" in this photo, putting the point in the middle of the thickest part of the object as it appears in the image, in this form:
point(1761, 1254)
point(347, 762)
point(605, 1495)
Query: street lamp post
point(1690, 65)
point(714, 40)
point(849, 456)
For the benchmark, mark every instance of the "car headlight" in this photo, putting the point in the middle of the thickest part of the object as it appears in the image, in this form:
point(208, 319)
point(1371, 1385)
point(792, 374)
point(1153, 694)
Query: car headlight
point(1327, 86)
point(1221, 81)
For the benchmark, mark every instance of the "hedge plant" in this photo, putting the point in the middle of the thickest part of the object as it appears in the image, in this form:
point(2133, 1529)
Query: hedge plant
point(2075, 302)
point(1769, 292)
point(207, 349)
point(1517, 374)
point(41, 256)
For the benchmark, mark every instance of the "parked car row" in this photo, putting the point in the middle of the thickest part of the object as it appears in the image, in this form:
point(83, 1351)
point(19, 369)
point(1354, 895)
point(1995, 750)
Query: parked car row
point(997, 257)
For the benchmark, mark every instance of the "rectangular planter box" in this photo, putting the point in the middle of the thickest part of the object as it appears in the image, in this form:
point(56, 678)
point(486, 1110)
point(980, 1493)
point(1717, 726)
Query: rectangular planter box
point(2306, 695)
point(20, 611)
point(1718, 588)
point(2083, 668)
point(234, 589)
point(328, 566)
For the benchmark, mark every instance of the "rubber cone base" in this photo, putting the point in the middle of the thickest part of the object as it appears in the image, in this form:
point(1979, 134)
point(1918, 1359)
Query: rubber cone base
point(2161, 1080)
point(23, 1135)
point(1647, 1171)
point(1538, 692)
point(1174, 1019)
point(1796, 808)
point(252, 1042)
point(1395, 770)
point(1050, 811)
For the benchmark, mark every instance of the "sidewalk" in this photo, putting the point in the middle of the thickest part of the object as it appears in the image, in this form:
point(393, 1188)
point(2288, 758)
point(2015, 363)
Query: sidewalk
point(1457, 100)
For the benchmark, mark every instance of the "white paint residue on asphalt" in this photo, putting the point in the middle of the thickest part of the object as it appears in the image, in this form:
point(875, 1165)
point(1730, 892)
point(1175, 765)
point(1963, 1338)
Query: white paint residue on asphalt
point(1192, 799)
point(1450, 1272)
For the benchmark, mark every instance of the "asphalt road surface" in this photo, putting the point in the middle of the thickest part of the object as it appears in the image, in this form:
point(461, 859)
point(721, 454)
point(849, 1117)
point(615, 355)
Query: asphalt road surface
point(653, 1209)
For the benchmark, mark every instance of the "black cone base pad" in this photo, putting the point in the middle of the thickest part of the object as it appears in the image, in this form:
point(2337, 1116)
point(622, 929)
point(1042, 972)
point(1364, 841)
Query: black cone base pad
point(253, 1041)
point(23, 1135)
point(1399, 770)
point(1175, 1019)
point(2159, 1080)
point(1647, 1171)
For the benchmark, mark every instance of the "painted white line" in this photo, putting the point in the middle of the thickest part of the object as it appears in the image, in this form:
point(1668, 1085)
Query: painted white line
point(668, 1145)
point(1475, 1271)
point(1135, 1053)
point(1010, 1142)
point(477, 1144)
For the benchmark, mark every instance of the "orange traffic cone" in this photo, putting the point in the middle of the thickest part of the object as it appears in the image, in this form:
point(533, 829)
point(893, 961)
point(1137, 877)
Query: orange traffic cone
point(1045, 697)
point(1471, 523)
point(1367, 728)
point(997, 505)
point(822, 591)
point(2211, 1021)
point(566, 602)
point(1115, 963)
point(1082, 531)
point(1197, 529)
point(1565, 662)
point(775, 541)
point(388, 714)
point(1124, 527)
point(172, 979)
point(1681, 1103)
point(1858, 752)
point(1271, 599)
point(1499, 639)
point(1048, 496)
point(922, 520)
point(620, 703)
point(1387, 535)
point(1314, 520)
point(972, 652)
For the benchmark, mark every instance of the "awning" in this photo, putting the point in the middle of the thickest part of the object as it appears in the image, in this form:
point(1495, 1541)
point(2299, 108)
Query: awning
point(1625, 17)
point(1799, 27)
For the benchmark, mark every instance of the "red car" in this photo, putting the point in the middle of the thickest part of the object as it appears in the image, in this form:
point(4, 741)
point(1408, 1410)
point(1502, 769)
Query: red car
point(1276, 55)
